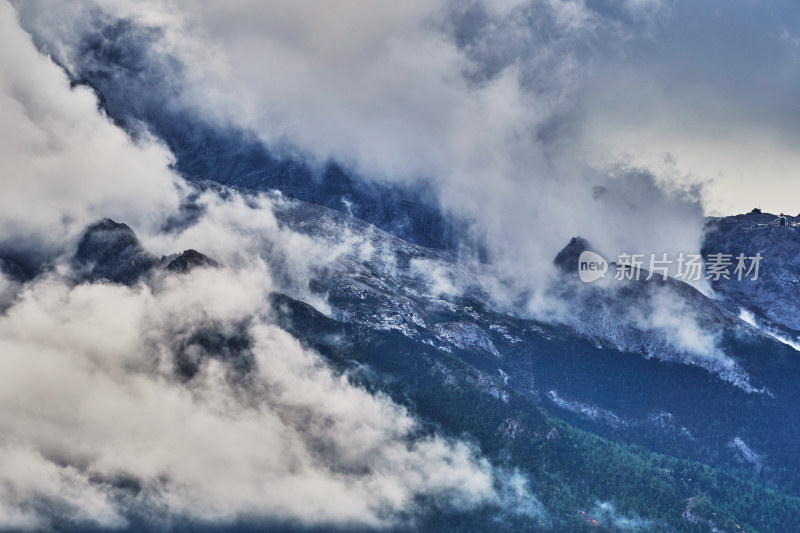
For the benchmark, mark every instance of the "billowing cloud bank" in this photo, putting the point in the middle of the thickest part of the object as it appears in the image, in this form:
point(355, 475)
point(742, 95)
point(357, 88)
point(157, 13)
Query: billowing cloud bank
point(99, 428)
point(90, 399)
point(477, 99)
point(63, 163)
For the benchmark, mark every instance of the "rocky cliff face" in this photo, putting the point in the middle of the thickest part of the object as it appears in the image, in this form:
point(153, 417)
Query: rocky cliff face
point(632, 359)
point(774, 298)
point(110, 251)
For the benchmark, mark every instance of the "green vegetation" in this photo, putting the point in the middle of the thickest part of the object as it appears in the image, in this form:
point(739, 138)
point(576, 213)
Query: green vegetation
point(570, 472)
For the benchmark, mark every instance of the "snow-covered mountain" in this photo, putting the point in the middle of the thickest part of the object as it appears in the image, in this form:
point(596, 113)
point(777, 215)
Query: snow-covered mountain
point(306, 307)
point(773, 300)
point(410, 321)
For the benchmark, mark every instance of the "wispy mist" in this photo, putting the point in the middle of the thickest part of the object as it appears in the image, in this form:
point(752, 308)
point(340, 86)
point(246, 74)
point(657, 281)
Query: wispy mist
point(100, 425)
point(478, 100)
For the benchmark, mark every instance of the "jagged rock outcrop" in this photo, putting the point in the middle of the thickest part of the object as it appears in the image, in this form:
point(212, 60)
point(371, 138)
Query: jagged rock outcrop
point(189, 260)
point(110, 251)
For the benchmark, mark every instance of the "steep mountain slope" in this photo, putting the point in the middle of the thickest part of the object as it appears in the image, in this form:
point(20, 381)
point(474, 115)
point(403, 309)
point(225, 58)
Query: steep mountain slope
point(333, 363)
point(775, 298)
point(522, 389)
point(610, 367)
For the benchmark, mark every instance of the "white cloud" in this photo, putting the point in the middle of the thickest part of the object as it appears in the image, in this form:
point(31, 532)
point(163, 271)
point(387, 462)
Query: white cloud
point(29, 484)
point(745, 160)
point(88, 383)
point(87, 380)
point(608, 516)
point(387, 91)
point(62, 164)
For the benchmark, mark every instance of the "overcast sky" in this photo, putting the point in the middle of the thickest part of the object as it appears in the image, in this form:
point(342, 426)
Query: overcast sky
point(711, 90)
point(701, 92)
